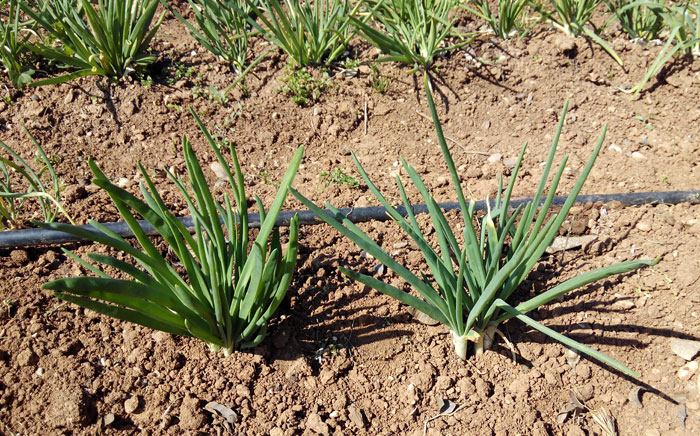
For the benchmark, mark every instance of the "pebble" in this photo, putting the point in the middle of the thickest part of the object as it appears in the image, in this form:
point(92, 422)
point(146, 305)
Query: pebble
point(616, 148)
point(494, 158)
point(643, 226)
point(685, 348)
point(652, 432)
point(108, 419)
point(638, 155)
point(486, 125)
point(510, 162)
point(122, 182)
point(687, 370)
point(70, 95)
point(442, 181)
point(218, 170)
point(131, 404)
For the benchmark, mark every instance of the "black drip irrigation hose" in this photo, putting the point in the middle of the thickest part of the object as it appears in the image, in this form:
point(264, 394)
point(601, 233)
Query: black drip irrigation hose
point(34, 237)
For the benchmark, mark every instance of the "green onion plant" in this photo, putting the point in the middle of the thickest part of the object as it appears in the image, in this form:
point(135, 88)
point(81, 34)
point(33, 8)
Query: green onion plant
point(470, 288)
point(228, 292)
point(508, 20)
point(310, 33)
point(12, 202)
point(13, 45)
point(222, 28)
point(415, 32)
point(683, 21)
point(573, 17)
point(110, 39)
point(638, 19)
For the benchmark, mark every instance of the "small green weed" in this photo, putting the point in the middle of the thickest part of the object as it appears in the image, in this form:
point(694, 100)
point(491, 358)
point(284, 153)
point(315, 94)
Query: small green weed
point(338, 177)
point(303, 87)
point(379, 83)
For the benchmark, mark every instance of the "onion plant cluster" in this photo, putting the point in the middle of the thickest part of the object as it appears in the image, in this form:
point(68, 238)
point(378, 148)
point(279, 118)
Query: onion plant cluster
point(222, 28)
point(415, 32)
point(573, 17)
point(109, 39)
point(310, 33)
point(639, 19)
point(228, 292)
point(506, 21)
point(683, 21)
point(470, 288)
point(14, 34)
point(12, 201)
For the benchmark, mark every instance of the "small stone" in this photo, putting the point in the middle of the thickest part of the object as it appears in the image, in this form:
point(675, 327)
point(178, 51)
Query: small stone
point(624, 305)
point(316, 424)
point(643, 226)
point(494, 158)
point(131, 404)
point(122, 182)
point(652, 432)
point(687, 370)
point(685, 348)
point(510, 162)
point(218, 170)
point(276, 431)
point(692, 405)
point(70, 95)
point(442, 181)
point(638, 155)
point(108, 419)
point(486, 125)
point(615, 148)
point(159, 336)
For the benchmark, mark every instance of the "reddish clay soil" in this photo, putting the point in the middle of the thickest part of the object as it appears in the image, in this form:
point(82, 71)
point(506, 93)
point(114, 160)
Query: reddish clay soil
point(341, 359)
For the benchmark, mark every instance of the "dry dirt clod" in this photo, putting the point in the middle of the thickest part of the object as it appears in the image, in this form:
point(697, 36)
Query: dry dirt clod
point(685, 348)
point(27, 358)
point(356, 417)
point(316, 424)
point(191, 416)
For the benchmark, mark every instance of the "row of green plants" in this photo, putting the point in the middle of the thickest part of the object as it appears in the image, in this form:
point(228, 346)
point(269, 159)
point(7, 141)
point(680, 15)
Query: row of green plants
point(223, 286)
point(111, 38)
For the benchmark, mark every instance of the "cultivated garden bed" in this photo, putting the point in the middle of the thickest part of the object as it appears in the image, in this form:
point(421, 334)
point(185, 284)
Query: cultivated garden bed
point(339, 357)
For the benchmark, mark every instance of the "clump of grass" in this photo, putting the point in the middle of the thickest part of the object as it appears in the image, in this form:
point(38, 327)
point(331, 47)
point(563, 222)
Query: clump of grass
point(379, 83)
point(302, 87)
point(338, 177)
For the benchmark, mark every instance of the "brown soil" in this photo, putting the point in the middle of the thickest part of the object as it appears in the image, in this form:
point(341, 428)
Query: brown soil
point(341, 358)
